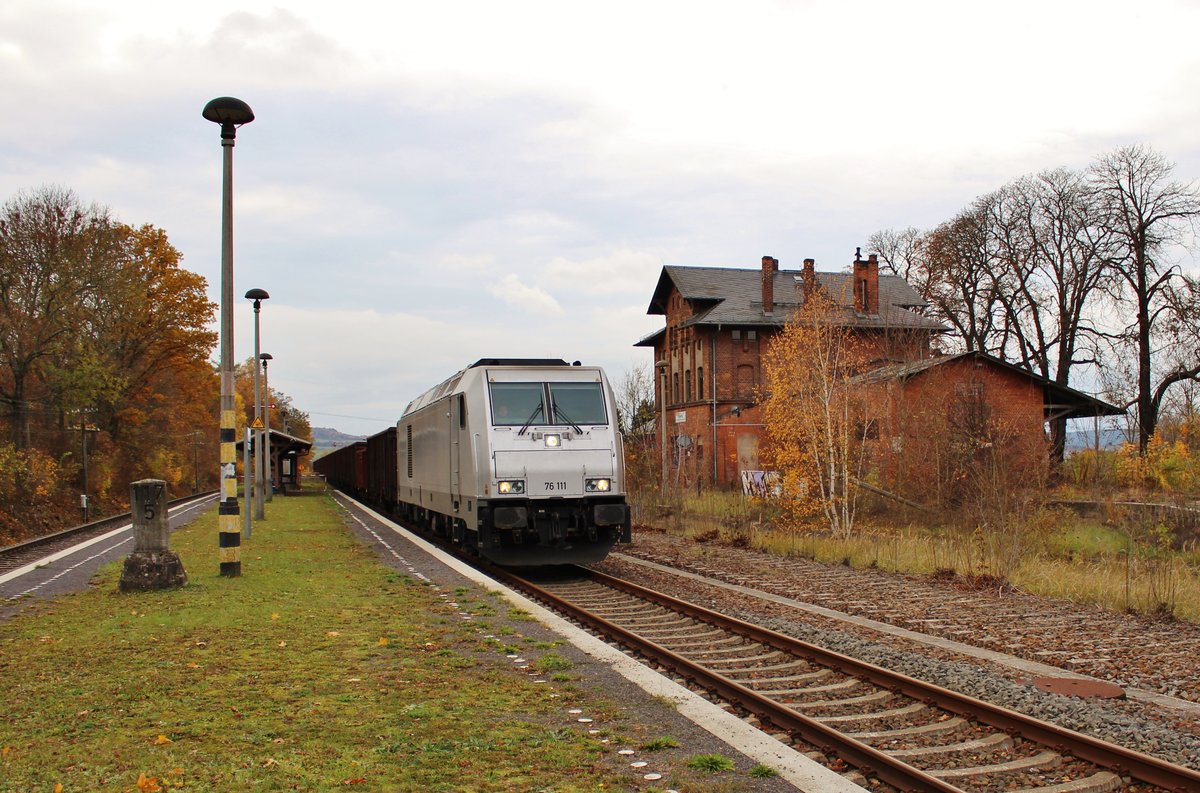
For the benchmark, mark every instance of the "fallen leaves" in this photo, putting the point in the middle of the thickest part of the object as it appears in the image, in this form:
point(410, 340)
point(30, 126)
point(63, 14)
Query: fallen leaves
point(162, 739)
point(383, 641)
point(148, 784)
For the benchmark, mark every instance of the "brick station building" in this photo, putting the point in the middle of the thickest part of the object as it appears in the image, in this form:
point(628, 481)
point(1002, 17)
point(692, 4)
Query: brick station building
point(719, 321)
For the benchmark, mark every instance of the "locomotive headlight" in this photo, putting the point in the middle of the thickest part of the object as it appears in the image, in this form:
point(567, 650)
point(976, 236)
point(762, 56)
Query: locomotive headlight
point(597, 485)
point(553, 439)
point(510, 486)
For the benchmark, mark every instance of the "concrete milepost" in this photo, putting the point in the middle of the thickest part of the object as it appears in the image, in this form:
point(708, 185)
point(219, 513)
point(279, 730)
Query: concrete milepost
point(230, 113)
point(152, 565)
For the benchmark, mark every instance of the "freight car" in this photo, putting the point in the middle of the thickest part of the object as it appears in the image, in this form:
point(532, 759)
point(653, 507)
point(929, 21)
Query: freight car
point(518, 459)
point(346, 467)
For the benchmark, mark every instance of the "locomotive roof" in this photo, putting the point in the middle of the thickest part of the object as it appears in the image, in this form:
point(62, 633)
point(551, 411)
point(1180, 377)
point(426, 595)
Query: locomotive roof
point(519, 362)
point(448, 385)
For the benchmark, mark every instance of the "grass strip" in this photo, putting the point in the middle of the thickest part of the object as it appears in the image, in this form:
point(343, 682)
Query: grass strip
point(317, 669)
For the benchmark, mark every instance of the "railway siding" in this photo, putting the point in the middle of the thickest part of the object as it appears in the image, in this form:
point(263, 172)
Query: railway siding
point(1155, 722)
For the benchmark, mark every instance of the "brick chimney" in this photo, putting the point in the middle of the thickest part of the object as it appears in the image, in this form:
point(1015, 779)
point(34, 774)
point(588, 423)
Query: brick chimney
point(770, 266)
point(809, 278)
point(866, 283)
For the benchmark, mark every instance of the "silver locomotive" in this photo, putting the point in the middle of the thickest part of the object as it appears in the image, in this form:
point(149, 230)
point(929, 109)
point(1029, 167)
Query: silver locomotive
point(520, 459)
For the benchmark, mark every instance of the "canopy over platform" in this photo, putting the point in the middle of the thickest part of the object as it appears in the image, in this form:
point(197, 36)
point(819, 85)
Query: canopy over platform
point(285, 459)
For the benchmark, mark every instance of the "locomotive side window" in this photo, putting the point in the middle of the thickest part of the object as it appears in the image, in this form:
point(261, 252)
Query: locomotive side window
point(516, 404)
point(578, 403)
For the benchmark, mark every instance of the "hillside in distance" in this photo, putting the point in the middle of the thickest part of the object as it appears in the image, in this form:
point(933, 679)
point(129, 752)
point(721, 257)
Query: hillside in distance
point(326, 439)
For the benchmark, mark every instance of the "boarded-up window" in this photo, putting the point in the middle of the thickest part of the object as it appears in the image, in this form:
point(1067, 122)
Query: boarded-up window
point(745, 381)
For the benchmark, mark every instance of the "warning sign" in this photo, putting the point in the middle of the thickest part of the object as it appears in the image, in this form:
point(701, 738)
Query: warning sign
point(256, 424)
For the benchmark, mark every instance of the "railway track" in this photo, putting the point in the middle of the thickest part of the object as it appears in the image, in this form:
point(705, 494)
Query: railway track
point(903, 732)
point(23, 553)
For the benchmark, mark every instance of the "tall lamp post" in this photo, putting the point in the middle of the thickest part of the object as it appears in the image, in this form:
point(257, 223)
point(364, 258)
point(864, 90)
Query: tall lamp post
point(230, 113)
point(258, 296)
point(269, 481)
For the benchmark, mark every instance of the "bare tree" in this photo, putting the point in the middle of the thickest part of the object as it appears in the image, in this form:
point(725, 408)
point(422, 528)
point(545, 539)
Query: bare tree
point(904, 253)
point(1050, 243)
point(963, 281)
point(636, 418)
point(1146, 212)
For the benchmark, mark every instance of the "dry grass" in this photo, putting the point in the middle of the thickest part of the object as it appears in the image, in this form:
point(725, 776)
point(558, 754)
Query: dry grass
point(1055, 555)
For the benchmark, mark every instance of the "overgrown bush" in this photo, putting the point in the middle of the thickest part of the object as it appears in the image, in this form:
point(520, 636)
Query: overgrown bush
point(32, 492)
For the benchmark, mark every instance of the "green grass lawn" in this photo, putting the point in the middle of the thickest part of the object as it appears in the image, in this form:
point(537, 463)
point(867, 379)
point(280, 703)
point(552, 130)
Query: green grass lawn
point(319, 668)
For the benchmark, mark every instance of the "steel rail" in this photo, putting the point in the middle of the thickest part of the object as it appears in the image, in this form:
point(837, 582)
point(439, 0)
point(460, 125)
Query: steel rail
point(888, 769)
point(111, 520)
point(1119, 759)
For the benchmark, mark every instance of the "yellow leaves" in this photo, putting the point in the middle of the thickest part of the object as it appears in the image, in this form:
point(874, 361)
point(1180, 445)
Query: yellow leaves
point(58, 788)
point(282, 644)
point(162, 739)
point(5, 751)
point(383, 641)
point(332, 634)
point(274, 616)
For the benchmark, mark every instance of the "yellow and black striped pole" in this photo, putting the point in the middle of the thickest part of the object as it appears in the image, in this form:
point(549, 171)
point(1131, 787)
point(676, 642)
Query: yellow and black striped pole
point(230, 113)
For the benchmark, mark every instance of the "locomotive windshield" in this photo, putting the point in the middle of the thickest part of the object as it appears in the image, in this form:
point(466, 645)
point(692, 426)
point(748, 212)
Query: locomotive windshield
point(577, 403)
point(513, 404)
point(521, 404)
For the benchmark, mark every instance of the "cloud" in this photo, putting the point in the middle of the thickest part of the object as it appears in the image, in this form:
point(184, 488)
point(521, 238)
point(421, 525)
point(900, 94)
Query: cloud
point(530, 299)
point(623, 271)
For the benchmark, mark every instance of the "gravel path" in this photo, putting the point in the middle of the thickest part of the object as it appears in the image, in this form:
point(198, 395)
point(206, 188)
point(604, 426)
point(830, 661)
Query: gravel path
point(1127, 650)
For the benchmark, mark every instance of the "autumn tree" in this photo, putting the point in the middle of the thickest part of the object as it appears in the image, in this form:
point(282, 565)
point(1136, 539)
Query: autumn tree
point(814, 417)
point(54, 255)
point(104, 339)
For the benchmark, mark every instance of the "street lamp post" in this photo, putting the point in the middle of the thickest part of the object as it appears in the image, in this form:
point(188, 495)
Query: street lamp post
point(269, 481)
point(230, 113)
point(258, 296)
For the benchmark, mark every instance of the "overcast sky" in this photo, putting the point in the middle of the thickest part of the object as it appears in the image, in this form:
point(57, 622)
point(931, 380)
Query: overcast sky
point(431, 183)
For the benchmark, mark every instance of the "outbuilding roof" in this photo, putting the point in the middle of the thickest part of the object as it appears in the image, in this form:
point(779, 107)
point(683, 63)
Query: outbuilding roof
point(1059, 401)
point(733, 296)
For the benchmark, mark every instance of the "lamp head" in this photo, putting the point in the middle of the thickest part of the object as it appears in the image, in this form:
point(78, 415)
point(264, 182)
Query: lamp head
point(257, 295)
point(230, 113)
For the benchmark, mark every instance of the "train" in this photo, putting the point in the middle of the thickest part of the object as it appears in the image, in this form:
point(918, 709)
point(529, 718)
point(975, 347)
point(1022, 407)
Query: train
point(519, 460)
